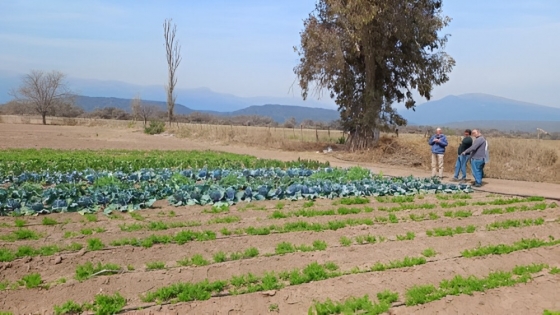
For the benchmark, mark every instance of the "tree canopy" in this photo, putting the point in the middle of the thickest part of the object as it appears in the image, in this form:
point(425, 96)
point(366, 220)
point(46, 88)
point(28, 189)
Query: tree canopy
point(370, 54)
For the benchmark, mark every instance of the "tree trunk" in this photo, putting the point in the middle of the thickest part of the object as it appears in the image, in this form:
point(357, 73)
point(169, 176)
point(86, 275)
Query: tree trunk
point(44, 115)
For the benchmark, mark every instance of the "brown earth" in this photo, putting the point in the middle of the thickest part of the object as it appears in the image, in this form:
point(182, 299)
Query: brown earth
point(531, 298)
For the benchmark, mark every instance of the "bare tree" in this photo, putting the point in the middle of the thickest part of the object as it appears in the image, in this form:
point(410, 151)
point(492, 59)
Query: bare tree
point(43, 91)
point(146, 112)
point(135, 106)
point(173, 54)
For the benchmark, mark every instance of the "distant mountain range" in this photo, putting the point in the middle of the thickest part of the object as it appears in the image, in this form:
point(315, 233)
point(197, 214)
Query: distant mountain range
point(279, 113)
point(196, 99)
point(470, 110)
point(478, 107)
point(484, 111)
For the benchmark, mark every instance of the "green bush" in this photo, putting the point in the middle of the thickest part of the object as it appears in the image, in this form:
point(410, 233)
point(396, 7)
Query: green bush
point(155, 127)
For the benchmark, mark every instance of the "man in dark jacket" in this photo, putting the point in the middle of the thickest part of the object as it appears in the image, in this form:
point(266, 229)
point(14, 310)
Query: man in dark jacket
point(478, 157)
point(461, 164)
point(438, 142)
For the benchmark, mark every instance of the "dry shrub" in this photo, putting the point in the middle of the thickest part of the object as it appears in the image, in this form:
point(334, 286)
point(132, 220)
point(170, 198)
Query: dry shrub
point(268, 137)
point(70, 121)
point(523, 159)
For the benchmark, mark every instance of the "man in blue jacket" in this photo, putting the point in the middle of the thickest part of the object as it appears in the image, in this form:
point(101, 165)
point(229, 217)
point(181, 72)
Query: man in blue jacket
point(438, 142)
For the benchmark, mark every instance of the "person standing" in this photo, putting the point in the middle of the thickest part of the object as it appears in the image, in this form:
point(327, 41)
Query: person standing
point(461, 164)
point(478, 157)
point(438, 142)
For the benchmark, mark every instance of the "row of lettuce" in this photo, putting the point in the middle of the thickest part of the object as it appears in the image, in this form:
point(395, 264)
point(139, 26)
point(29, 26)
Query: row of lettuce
point(127, 189)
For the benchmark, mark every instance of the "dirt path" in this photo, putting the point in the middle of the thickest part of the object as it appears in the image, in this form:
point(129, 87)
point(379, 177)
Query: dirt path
point(80, 137)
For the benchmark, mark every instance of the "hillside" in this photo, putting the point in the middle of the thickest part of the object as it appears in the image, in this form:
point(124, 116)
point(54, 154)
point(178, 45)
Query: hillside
point(479, 107)
point(507, 125)
point(91, 103)
point(281, 113)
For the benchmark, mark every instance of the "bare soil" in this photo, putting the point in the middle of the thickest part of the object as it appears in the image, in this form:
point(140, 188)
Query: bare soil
point(531, 298)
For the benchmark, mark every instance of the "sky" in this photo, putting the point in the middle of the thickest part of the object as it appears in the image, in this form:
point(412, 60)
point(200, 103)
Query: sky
point(507, 48)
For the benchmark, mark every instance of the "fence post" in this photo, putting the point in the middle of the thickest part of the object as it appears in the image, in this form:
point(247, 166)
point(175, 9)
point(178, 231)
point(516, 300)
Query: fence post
point(301, 131)
point(316, 134)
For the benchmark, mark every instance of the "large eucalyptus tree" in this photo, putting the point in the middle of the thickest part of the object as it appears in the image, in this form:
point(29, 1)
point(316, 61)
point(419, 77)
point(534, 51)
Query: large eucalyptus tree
point(371, 54)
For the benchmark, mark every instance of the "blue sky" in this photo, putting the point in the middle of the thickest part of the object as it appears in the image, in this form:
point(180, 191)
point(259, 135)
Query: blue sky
point(507, 48)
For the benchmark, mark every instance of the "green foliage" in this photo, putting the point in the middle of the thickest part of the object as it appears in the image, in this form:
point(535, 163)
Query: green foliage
point(185, 292)
point(86, 231)
point(448, 231)
point(108, 304)
point(458, 196)
point(220, 257)
point(421, 294)
point(365, 239)
point(90, 217)
point(251, 252)
point(506, 224)
point(7, 255)
point(309, 204)
point(95, 244)
point(547, 312)
point(70, 307)
point(354, 305)
point(554, 270)
point(34, 160)
point(506, 249)
point(408, 237)
point(155, 265)
point(224, 208)
point(284, 247)
point(346, 211)
point(395, 199)
point(458, 214)
point(196, 260)
point(353, 201)
point(280, 205)
point(85, 271)
point(155, 127)
point(345, 241)
point(70, 234)
point(20, 223)
point(4, 285)
point(227, 219)
point(454, 204)
point(32, 280)
point(313, 272)
point(20, 234)
point(136, 216)
point(429, 252)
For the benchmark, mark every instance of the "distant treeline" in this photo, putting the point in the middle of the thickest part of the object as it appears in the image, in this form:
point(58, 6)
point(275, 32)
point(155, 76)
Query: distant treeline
point(148, 113)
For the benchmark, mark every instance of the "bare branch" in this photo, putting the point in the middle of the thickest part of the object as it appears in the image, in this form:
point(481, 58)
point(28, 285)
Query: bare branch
point(43, 91)
point(173, 57)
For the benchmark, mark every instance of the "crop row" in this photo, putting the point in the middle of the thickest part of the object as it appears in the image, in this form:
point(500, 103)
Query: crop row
point(422, 294)
point(248, 283)
point(17, 161)
point(315, 272)
point(185, 236)
point(111, 195)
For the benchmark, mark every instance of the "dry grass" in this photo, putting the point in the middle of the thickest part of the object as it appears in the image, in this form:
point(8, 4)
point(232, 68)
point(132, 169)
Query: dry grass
point(516, 159)
point(270, 137)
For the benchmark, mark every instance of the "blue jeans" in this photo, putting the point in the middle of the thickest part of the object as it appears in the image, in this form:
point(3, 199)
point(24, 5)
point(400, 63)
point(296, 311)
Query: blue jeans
point(477, 170)
point(461, 165)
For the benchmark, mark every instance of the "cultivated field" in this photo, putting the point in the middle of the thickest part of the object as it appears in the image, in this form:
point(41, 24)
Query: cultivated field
point(427, 252)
